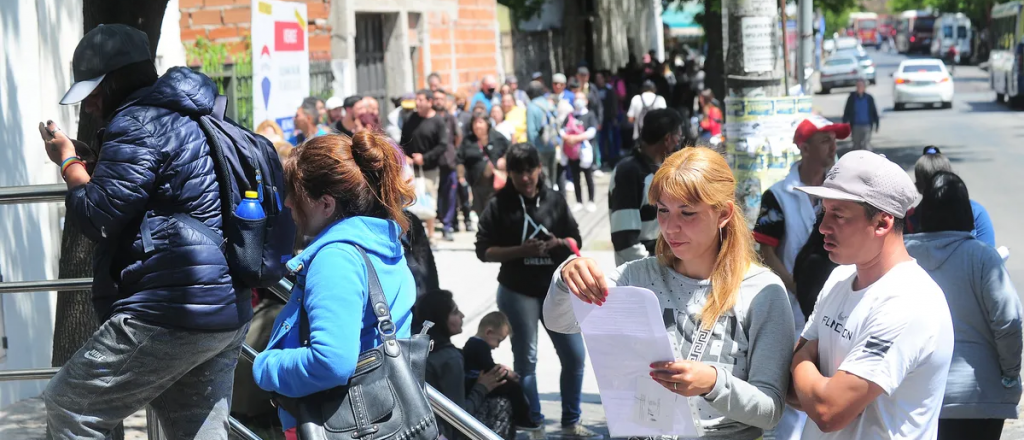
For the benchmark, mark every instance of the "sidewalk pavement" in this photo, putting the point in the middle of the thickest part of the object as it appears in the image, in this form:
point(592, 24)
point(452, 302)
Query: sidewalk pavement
point(474, 285)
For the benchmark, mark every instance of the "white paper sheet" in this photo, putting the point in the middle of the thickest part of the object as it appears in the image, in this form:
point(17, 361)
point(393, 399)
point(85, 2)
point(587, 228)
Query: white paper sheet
point(623, 337)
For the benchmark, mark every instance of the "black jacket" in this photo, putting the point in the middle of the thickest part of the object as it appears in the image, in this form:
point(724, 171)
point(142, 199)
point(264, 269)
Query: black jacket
point(429, 137)
point(504, 224)
point(872, 110)
point(474, 159)
point(154, 162)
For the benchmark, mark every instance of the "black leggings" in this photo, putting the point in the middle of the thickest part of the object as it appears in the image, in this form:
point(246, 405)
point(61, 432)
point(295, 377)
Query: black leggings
point(588, 173)
point(974, 429)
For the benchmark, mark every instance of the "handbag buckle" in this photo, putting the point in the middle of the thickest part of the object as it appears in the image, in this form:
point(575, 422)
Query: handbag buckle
point(366, 431)
point(386, 328)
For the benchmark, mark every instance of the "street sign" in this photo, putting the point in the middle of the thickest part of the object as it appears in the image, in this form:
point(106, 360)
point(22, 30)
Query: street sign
point(280, 54)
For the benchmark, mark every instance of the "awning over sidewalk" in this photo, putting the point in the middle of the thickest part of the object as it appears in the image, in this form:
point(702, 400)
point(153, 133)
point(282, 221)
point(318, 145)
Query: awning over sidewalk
point(680, 19)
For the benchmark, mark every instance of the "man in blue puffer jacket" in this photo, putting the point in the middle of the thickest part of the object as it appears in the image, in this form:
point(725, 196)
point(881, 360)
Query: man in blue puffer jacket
point(172, 322)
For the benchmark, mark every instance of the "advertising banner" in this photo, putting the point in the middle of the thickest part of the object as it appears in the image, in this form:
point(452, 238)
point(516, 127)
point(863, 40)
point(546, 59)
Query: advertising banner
point(280, 61)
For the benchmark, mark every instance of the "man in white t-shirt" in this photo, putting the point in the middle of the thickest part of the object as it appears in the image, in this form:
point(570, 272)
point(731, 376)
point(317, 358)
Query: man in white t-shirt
point(873, 359)
point(647, 100)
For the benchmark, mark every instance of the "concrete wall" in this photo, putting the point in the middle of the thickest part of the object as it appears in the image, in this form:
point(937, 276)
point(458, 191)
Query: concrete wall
point(39, 38)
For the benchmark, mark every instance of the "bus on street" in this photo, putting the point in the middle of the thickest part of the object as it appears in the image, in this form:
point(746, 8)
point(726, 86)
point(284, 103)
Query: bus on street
point(1005, 60)
point(914, 31)
point(865, 28)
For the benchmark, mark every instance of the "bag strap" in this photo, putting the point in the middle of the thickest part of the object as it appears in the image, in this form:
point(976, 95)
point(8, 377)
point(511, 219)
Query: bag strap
point(378, 302)
point(220, 105)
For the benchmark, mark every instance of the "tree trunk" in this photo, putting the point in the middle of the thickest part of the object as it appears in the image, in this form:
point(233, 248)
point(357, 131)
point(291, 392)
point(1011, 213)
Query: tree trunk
point(76, 318)
point(714, 64)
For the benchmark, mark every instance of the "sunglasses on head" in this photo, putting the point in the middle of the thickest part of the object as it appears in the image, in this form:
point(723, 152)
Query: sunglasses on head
point(931, 150)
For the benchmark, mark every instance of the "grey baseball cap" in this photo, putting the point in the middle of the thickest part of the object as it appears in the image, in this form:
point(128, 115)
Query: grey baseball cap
point(558, 78)
point(866, 177)
point(104, 49)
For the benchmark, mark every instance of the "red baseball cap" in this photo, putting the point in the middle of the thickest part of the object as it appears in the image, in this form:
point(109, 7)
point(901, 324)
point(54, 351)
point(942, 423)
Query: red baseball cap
point(818, 124)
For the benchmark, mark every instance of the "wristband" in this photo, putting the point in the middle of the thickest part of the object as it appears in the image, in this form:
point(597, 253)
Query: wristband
point(63, 165)
point(64, 168)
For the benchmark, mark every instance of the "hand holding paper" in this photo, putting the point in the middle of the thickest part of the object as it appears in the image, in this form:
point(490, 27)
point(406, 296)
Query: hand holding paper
point(625, 334)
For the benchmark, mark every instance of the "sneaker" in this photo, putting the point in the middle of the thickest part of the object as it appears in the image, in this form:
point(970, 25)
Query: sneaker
point(577, 207)
point(578, 431)
point(569, 186)
point(529, 426)
point(534, 434)
point(598, 173)
point(591, 207)
point(446, 234)
point(469, 226)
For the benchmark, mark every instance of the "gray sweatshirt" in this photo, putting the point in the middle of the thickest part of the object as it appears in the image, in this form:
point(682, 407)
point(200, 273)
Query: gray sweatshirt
point(986, 323)
point(757, 331)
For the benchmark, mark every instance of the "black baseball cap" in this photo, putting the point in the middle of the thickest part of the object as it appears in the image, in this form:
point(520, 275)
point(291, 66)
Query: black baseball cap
point(104, 49)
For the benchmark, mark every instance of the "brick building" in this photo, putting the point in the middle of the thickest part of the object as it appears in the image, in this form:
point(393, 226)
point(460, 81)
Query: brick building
point(382, 48)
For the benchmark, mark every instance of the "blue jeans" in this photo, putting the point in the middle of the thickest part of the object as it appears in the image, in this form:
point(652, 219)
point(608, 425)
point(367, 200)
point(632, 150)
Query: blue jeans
point(524, 315)
point(611, 142)
point(185, 376)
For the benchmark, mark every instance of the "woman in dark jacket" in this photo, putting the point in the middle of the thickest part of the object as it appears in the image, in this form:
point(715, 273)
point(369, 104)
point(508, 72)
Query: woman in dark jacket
point(171, 321)
point(445, 365)
point(527, 227)
point(480, 156)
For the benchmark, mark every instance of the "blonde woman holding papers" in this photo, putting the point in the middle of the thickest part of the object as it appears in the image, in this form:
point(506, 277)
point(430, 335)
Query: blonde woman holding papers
point(705, 277)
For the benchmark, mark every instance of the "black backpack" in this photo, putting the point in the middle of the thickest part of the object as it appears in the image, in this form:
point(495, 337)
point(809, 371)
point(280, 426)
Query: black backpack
point(257, 250)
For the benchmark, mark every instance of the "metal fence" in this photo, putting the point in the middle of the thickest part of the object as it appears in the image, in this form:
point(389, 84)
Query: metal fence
point(236, 83)
point(441, 405)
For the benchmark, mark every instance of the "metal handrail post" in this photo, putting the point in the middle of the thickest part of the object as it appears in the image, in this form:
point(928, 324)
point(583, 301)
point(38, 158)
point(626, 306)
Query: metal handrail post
point(10, 195)
point(28, 374)
point(67, 284)
point(241, 430)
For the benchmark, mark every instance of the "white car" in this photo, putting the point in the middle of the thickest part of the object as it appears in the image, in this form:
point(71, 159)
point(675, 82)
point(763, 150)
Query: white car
point(922, 81)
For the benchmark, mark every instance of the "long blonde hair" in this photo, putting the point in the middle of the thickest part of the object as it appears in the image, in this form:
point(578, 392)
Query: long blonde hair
point(701, 175)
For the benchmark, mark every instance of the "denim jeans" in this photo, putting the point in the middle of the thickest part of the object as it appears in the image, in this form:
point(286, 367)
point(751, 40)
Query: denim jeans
point(610, 142)
point(448, 199)
point(524, 315)
point(185, 376)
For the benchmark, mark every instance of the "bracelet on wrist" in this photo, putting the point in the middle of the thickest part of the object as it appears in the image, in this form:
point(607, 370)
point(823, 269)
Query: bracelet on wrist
point(65, 162)
point(69, 164)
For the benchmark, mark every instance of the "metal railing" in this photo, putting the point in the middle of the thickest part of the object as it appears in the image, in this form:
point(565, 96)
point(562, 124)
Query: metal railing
point(442, 406)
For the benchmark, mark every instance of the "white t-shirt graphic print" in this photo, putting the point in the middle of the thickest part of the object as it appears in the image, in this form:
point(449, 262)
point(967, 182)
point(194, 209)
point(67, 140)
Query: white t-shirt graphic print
point(896, 333)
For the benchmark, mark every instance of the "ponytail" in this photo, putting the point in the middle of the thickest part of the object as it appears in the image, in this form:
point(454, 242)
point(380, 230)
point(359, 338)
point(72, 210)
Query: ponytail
point(381, 167)
point(362, 173)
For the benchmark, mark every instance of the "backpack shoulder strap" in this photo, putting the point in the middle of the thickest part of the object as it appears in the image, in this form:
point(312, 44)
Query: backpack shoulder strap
point(220, 105)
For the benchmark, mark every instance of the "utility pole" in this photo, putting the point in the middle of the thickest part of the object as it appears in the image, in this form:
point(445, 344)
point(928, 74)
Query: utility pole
point(759, 117)
point(805, 28)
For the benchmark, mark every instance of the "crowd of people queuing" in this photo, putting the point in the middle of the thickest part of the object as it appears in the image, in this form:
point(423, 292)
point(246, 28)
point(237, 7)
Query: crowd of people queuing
point(828, 320)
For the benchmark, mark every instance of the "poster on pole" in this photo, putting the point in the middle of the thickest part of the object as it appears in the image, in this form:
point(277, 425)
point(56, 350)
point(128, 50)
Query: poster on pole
point(280, 74)
point(756, 39)
point(759, 144)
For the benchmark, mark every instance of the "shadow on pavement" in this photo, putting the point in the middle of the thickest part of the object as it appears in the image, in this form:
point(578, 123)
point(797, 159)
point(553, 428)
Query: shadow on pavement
point(988, 106)
point(906, 156)
point(586, 397)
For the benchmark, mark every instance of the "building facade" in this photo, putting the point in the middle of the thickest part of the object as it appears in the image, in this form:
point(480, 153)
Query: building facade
point(381, 48)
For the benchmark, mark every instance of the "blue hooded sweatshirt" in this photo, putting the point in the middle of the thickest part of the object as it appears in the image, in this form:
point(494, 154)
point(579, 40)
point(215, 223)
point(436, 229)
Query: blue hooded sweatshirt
point(986, 324)
point(331, 279)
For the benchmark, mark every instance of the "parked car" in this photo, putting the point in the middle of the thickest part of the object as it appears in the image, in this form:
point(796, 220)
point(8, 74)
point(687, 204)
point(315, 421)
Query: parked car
point(839, 71)
point(864, 61)
point(922, 81)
